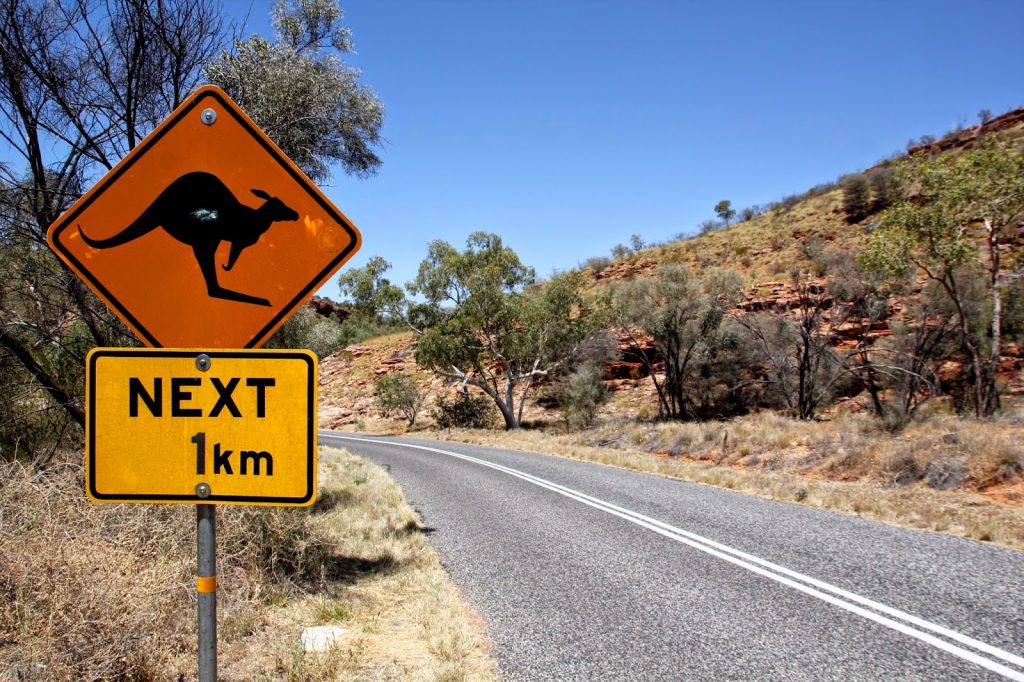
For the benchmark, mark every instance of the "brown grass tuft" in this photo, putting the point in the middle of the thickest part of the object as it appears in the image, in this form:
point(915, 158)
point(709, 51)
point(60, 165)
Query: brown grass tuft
point(87, 591)
point(106, 592)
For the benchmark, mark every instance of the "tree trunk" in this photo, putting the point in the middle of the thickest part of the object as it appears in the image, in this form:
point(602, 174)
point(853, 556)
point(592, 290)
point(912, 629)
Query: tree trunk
point(948, 282)
point(45, 380)
point(509, 414)
point(991, 381)
point(508, 406)
point(871, 384)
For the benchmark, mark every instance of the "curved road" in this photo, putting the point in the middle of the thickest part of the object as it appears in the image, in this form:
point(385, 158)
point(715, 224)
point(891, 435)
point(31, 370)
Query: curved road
point(587, 572)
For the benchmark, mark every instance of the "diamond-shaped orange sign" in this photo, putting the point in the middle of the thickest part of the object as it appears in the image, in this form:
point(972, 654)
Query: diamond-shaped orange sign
point(205, 235)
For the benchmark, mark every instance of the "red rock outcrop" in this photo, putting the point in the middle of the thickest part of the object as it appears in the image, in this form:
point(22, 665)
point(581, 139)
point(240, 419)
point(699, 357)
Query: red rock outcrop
point(325, 307)
point(963, 138)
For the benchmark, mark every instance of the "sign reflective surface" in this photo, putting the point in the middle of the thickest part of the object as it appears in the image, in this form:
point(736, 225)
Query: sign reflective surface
point(184, 426)
point(205, 234)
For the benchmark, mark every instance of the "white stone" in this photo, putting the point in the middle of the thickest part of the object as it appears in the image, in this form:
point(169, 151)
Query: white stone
point(321, 637)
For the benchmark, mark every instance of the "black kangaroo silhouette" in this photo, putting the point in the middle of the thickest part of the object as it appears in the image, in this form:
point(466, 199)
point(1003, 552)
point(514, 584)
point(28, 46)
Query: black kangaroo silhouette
point(199, 210)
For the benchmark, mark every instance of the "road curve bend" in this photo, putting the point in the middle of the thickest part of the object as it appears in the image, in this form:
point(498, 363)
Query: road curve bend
point(588, 572)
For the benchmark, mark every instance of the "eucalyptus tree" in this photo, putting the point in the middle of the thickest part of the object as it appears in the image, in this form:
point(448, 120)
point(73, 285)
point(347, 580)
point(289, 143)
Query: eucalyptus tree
point(371, 294)
point(491, 327)
point(955, 224)
point(686, 316)
point(725, 211)
point(299, 90)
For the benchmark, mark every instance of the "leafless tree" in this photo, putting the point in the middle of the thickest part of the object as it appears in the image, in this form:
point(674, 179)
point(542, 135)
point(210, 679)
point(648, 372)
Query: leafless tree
point(800, 363)
point(81, 83)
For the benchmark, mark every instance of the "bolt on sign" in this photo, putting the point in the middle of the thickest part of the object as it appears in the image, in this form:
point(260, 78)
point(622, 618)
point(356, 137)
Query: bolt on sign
point(195, 427)
point(205, 234)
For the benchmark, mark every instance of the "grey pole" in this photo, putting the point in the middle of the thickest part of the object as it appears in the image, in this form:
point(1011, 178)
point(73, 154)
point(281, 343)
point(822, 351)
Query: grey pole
point(206, 588)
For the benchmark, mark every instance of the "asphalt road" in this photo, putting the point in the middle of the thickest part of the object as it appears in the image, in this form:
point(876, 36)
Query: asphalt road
point(587, 572)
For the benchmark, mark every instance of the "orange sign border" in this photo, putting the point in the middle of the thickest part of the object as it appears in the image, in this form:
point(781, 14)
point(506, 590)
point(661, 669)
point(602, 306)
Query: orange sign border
point(191, 104)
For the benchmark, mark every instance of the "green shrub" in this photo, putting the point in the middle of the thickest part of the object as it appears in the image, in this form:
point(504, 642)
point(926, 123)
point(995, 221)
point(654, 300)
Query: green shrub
point(709, 226)
point(922, 141)
point(598, 263)
point(856, 197)
point(813, 250)
point(462, 410)
point(582, 393)
point(885, 187)
point(398, 393)
point(307, 329)
point(818, 190)
point(357, 328)
point(787, 203)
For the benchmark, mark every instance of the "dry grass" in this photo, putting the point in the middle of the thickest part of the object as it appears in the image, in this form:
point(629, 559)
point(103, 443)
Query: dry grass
point(384, 584)
point(88, 592)
point(767, 246)
point(948, 474)
point(105, 592)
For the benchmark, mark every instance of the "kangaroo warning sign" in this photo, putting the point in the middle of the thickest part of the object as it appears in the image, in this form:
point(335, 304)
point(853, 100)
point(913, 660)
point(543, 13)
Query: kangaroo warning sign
point(195, 427)
point(205, 234)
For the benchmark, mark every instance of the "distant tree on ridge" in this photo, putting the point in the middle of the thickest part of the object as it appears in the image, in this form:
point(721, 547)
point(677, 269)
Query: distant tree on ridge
point(725, 211)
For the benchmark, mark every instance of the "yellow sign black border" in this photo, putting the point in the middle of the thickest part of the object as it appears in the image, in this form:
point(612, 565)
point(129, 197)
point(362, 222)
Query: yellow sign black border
point(311, 427)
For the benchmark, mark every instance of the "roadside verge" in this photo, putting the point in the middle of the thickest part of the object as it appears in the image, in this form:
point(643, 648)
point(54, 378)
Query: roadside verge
point(107, 591)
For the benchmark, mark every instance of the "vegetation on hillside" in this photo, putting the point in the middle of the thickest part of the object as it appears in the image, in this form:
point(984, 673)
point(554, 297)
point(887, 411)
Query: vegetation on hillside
point(850, 318)
point(697, 350)
point(953, 207)
point(805, 353)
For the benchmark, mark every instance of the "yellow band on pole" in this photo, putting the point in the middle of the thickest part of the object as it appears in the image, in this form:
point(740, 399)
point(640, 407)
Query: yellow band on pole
point(206, 583)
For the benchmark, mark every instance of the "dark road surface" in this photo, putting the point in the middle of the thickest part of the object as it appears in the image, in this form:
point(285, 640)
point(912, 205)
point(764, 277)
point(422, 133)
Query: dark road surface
point(587, 572)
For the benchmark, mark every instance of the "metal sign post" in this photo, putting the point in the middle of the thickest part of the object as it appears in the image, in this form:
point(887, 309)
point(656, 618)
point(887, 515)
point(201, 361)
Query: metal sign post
point(206, 588)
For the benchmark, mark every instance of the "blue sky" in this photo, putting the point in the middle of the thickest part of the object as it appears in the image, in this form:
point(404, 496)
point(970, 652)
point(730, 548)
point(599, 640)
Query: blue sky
point(567, 126)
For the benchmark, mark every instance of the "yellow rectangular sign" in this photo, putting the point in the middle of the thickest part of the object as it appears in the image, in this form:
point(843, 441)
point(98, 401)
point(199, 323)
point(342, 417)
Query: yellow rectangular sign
point(201, 427)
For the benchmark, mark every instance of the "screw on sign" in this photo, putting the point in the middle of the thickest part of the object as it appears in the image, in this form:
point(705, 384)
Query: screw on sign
point(206, 234)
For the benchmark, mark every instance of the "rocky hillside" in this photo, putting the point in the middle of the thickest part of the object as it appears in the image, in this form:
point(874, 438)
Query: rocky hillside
point(786, 237)
point(791, 236)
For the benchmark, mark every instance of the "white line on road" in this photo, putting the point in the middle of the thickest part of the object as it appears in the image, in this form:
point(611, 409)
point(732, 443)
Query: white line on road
point(867, 608)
